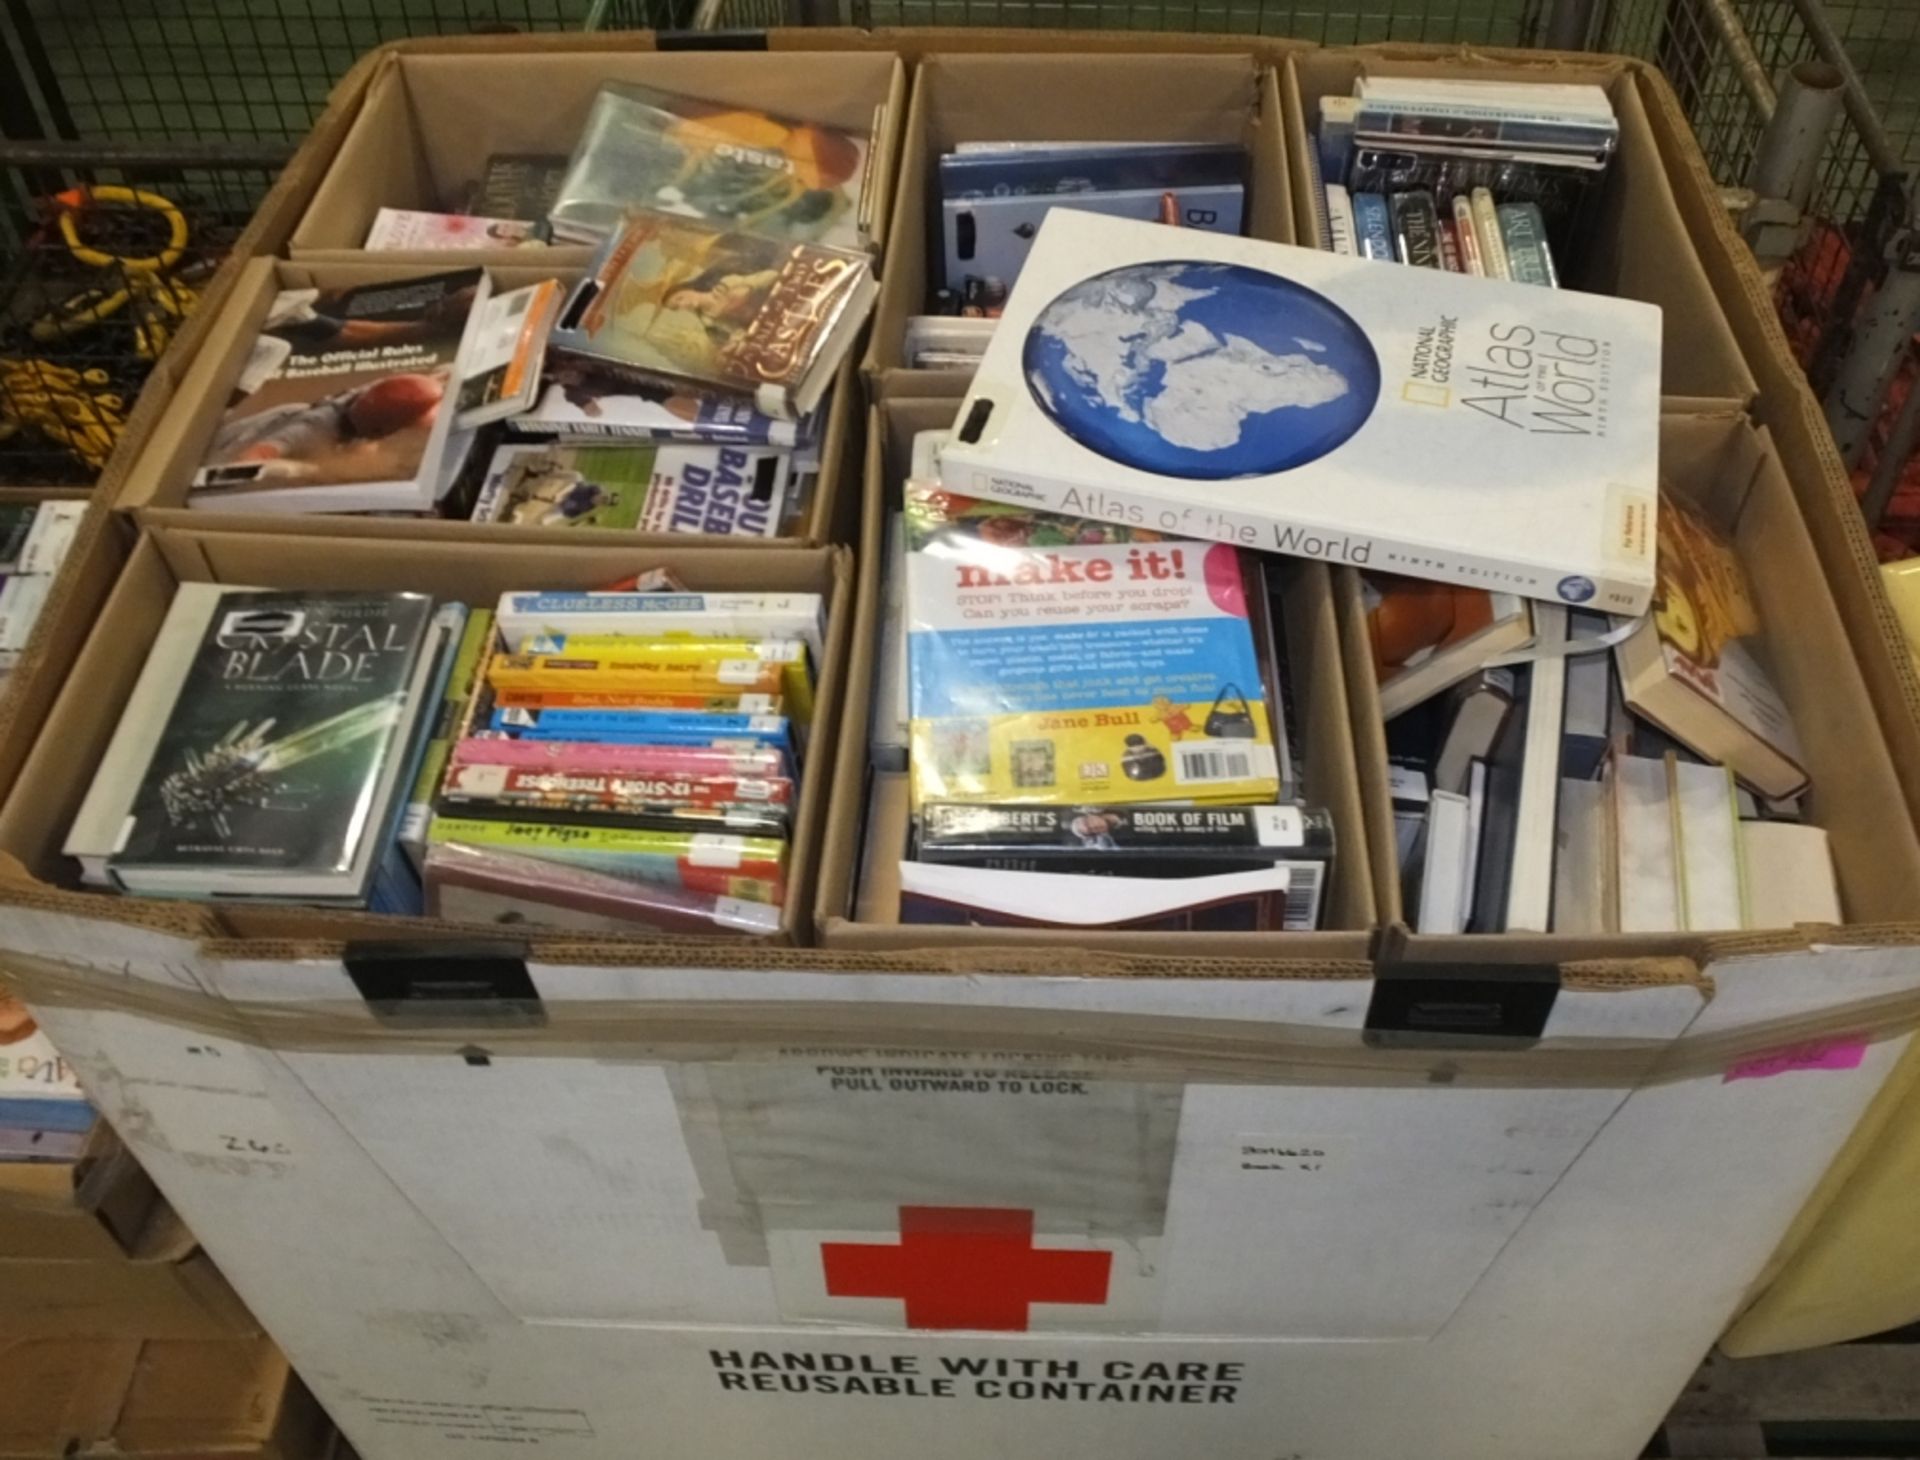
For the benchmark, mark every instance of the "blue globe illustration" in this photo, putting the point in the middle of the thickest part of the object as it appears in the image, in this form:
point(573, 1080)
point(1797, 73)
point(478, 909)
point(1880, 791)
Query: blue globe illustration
point(1201, 370)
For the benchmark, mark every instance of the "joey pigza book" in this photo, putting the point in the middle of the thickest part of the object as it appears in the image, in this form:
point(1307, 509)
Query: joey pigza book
point(1293, 401)
point(1116, 672)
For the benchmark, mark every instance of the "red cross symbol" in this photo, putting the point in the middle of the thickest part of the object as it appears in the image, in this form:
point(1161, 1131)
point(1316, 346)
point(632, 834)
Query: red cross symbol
point(966, 1267)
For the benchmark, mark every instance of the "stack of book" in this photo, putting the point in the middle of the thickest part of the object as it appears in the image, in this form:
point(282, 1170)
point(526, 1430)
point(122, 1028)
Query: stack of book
point(1093, 739)
point(678, 387)
point(1569, 772)
point(35, 538)
point(44, 1115)
point(1478, 177)
point(993, 196)
point(626, 758)
point(615, 760)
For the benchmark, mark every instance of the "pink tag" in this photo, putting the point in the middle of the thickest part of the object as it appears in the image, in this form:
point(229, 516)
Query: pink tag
point(1836, 1054)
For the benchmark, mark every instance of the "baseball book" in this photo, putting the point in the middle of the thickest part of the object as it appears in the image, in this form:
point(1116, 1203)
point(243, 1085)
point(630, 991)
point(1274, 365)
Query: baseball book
point(642, 486)
point(348, 400)
point(1294, 401)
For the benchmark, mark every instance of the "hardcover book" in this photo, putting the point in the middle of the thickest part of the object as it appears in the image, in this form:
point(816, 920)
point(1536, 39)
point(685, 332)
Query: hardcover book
point(1426, 637)
point(350, 402)
point(1698, 666)
point(1294, 401)
point(283, 748)
point(672, 299)
point(732, 166)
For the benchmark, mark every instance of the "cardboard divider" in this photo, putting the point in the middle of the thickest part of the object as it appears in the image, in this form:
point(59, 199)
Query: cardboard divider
point(34, 823)
point(1310, 643)
point(1081, 98)
point(1729, 469)
point(429, 123)
point(158, 483)
point(1640, 247)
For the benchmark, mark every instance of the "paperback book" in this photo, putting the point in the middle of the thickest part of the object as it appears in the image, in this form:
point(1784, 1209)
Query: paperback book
point(734, 167)
point(726, 491)
point(350, 401)
point(672, 299)
point(1119, 673)
point(580, 402)
point(1295, 401)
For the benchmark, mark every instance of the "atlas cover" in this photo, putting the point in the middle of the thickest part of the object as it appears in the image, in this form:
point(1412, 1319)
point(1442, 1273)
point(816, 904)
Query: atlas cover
point(281, 736)
point(732, 166)
point(675, 299)
point(1113, 672)
point(349, 398)
point(1300, 402)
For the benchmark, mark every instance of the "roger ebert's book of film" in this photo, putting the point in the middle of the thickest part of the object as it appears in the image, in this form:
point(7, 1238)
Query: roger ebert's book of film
point(1289, 400)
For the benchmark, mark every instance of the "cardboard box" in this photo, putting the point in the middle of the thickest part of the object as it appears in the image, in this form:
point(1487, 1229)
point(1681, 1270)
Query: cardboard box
point(1729, 468)
point(34, 824)
point(1079, 98)
point(91, 1249)
point(1640, 247)
point(156, 486)
point(155, 1401)
point(428, 123)
point(1329, 771)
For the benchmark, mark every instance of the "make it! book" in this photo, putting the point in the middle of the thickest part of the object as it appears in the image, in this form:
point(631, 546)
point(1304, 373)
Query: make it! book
point(1295, 401)
point(677, 300)
point(1111, 672)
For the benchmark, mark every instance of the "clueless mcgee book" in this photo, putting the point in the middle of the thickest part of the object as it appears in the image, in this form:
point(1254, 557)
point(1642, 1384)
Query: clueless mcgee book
point(1293, 401)
point(677, 300)
point(1117, 672)
point(350, 400)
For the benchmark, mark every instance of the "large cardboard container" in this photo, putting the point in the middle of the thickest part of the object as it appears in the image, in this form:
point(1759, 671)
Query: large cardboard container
point(1329, 770)
point(428, 123)
point(34, 824)
point(156, 485)
point(1639, 246)
point(91, 1250)
point(1077, 98)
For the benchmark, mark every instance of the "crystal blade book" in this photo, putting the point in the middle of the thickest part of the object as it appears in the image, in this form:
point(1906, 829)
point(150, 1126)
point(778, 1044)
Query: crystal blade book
point(270, 771)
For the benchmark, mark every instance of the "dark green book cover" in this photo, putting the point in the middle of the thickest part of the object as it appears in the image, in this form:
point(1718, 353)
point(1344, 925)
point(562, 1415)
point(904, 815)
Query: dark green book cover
point(272, 757)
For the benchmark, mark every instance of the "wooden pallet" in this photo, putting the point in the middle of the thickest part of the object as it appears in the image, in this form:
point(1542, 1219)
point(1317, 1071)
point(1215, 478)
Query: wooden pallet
point(1856, 1401)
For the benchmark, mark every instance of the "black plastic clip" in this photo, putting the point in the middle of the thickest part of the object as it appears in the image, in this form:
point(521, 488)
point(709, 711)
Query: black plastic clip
point(710, 40)
point(446, 985)
point(1464, 1004)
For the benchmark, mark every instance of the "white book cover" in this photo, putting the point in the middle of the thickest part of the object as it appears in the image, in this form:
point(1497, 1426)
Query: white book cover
point(1294, 401)
point(1340, 221)
point(1530, 886)
point(51, 537)
point(520, 616)
point(1646, 865)
point(1707, 820)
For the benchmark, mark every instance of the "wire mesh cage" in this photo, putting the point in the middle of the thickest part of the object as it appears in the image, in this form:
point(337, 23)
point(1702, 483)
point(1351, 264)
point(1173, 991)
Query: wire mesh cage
point(149, 70)
point(103, 253)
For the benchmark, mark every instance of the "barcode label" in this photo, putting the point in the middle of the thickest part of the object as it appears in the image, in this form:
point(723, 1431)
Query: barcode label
point(518, 301)
point(1302, 911)
point(1198, 764)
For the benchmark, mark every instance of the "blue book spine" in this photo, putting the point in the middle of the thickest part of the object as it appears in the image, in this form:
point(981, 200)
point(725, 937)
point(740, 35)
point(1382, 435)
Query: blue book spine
point(1373, 222)
point(662, 727)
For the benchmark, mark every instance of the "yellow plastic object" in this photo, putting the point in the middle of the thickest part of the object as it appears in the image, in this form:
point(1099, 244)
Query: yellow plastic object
point(78, 200)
